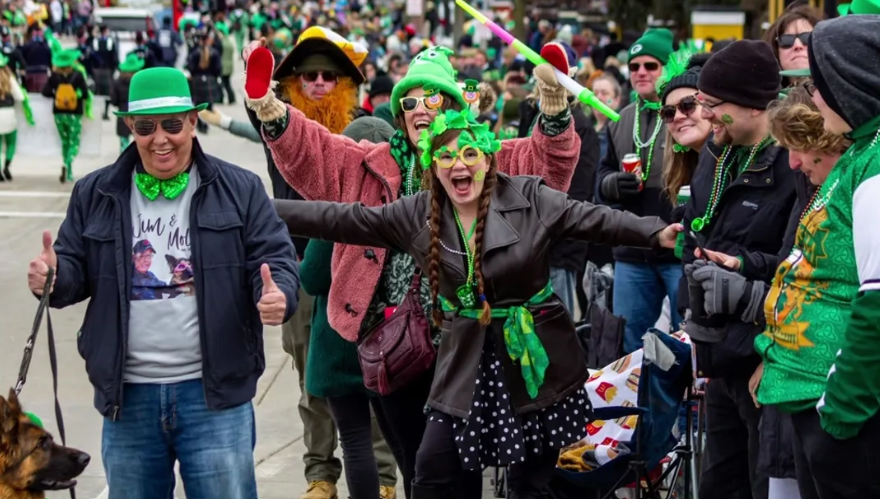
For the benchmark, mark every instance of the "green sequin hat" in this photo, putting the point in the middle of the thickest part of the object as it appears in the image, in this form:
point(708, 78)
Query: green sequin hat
point(159, 91)
point(482, 138)
point(859, 7)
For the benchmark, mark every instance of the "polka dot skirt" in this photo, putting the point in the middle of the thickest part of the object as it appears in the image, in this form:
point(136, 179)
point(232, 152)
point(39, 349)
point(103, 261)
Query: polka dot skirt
point(493, 435)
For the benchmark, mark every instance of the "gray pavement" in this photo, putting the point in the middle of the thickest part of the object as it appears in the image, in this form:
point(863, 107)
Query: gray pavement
point(36, 201)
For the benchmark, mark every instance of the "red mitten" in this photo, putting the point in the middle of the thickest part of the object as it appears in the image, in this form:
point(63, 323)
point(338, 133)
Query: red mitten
point(556, 55)
point(260, 65)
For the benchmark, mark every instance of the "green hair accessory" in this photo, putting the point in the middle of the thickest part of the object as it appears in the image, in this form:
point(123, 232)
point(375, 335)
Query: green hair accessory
point(676, 66)
point(482, 138)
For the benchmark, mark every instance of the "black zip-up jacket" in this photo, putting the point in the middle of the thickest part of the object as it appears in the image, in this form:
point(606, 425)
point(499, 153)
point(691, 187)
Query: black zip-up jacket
point(750, 221)
point(234, 230)
point(652, 200)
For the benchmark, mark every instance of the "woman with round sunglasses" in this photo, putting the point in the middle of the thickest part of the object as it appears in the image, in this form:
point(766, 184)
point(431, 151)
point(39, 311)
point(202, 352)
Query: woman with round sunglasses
point(788, 36)
point(686, 130)
point(509, 387)
point(369, 283)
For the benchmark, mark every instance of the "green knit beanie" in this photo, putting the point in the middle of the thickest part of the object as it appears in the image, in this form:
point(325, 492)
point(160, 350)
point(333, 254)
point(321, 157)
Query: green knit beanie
point(656, 43)
point(430, 66)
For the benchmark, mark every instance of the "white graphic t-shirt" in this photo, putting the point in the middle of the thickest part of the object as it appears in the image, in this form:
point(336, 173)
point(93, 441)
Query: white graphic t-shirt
point(163, 335)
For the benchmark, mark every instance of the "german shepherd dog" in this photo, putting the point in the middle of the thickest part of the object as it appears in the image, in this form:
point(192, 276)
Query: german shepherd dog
point(30, 460)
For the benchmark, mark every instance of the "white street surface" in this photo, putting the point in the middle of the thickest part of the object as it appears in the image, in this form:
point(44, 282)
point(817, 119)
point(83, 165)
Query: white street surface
point(36, 201)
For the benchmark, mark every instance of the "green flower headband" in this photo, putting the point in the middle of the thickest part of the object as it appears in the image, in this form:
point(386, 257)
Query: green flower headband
point(483, 139)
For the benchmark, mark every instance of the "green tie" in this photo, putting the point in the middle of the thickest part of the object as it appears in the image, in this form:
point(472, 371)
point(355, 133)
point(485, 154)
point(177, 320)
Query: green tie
point(151, 186)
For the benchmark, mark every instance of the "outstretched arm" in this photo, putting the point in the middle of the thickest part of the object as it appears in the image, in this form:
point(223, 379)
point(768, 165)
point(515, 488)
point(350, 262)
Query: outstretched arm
point(389, 226)
point(565, 217)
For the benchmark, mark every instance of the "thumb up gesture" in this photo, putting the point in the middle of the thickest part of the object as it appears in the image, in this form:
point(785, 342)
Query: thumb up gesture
point(273, 303)
point(39, 266)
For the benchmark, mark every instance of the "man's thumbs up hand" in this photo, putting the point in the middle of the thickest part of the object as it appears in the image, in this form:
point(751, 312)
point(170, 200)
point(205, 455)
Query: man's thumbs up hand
point(39, 266)
point(273, 303)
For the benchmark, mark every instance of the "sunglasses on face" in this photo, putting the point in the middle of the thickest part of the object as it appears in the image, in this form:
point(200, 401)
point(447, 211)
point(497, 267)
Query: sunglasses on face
point(327, 76)
point(409, 104)
point(649, 66)
point(685, 106)
point(787, 41)
point(469, 156)
point(144, 127)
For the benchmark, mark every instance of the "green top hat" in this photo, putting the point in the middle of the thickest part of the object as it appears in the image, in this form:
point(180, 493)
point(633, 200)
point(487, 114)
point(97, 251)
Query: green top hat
point(159, 91)
point(132, 64)
point(859, 7)
point(65, 58)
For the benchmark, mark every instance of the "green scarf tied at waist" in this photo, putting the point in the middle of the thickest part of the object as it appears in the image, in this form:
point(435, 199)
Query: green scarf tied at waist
point(522, 343)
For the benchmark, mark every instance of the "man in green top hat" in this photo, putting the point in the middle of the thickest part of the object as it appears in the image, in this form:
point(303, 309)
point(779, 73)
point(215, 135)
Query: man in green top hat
point(68, 89)
point(174, 361)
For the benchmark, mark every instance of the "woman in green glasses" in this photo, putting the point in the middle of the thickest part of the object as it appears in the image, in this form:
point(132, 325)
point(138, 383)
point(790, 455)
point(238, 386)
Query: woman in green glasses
point(509, 382)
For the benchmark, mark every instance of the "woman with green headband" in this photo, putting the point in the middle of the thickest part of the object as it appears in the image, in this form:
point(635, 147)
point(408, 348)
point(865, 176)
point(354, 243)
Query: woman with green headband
point(509, 383)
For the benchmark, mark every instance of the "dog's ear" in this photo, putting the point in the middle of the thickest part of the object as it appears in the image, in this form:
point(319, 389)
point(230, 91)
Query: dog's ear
point(9, 412)
point(172, 262)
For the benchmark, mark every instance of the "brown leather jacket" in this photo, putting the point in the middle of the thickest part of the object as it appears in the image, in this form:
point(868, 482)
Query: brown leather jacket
point(525, 217)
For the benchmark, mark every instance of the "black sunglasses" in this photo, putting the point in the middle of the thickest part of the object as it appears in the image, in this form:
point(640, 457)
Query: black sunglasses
point(327, 76)
point(144, 127)
point(649, 66)
point(787, 41)
point(686, 106)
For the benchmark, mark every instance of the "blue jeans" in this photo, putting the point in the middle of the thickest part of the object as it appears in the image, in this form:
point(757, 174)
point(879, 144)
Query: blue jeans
point(639, 289)
point(161, 424)
point(563, 281)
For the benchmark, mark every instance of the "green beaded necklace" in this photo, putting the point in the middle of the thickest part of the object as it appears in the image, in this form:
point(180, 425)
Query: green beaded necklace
point(637, 134)
point(718, 184)
point(465, 292)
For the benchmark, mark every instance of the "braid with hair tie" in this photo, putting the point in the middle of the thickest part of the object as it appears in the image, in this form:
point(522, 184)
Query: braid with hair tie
point(488, 187)
point(434, 256)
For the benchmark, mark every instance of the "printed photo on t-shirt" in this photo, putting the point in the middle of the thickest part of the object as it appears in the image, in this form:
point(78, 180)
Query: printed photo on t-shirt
point(162, 265)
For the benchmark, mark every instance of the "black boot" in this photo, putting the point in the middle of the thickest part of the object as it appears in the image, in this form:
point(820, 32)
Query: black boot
point(431, 492)
point(63, 176)
point(6, 172)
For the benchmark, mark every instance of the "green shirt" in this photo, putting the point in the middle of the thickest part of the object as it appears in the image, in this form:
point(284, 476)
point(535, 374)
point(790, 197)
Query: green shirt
point(815, 295)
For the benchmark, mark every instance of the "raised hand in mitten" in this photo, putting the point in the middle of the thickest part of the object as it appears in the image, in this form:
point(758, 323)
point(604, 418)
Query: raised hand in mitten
point(553, 96)
point(260, 64)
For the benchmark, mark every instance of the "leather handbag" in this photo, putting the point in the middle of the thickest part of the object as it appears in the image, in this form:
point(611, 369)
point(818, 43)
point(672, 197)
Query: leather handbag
point(398, 350)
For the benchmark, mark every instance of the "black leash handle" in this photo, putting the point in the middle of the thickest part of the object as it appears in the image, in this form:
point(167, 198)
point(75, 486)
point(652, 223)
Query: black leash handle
point(43, 309)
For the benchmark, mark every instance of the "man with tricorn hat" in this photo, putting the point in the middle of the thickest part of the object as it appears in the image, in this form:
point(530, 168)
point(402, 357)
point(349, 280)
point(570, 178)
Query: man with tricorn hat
point(319, 77)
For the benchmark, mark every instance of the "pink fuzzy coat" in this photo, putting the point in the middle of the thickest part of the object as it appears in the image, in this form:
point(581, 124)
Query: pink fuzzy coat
point(327, 167)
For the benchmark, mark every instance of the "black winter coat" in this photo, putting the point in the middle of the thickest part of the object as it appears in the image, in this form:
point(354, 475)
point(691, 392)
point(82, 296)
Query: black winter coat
point(750, 221)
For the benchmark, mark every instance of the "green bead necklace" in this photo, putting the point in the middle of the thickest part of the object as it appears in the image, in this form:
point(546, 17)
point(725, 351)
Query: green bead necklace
point(465, 292)
point(721, 170)
point(637, 138)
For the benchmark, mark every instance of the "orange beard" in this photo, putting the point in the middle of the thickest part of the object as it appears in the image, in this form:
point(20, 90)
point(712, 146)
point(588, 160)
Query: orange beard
point(335, 111)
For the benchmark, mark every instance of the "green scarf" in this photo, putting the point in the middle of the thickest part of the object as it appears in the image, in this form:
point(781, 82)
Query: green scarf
point(406, 160)
point(522, 343)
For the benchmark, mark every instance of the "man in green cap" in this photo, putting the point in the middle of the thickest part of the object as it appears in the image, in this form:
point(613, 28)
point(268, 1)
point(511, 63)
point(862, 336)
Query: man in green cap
point(642, 278)
point(184, 261)
point(68, 90)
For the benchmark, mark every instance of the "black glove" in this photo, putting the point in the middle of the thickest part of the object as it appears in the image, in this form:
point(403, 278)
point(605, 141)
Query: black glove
point(699, 326)
point(695, 290)
point(722, 289)
point(619, 186)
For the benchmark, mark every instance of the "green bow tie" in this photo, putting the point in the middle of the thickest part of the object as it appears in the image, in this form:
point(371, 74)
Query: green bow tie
point(653, 106)
point(151, 186)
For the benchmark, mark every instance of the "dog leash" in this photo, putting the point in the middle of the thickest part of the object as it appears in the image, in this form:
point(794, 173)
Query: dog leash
point(43, 308)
